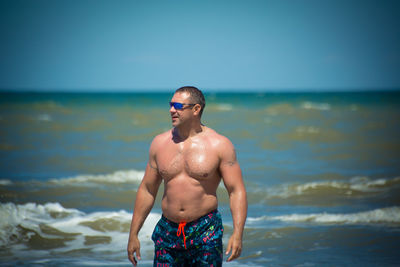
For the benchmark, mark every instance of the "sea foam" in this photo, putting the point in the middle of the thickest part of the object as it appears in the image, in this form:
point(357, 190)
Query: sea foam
point(5, 182)
point(97, 231)
point(123, 176)
point(358, 184)
point(389, 215)
point(44, 117)
point(316, 106)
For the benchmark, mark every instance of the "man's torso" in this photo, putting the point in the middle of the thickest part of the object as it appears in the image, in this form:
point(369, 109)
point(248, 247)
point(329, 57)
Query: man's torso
point(190, 170)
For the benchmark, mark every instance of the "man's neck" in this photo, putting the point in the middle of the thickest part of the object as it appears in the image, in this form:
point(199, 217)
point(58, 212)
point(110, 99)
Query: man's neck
point(184, 132)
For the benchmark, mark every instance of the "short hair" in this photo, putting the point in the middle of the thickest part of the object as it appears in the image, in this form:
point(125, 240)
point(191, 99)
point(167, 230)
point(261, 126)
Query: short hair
point(196, 96)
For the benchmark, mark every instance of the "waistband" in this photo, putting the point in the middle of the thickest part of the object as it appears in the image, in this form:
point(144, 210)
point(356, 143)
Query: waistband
point(214, 212)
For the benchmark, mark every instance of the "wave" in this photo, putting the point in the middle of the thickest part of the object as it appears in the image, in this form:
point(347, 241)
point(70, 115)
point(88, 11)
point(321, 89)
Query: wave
point(44, 117)
point(390, 215)
point(308, 129)
point(126, 176)
point(51, 226)
point(48, 233)
point(354, 186)
point(316, 106)
point(5, 182)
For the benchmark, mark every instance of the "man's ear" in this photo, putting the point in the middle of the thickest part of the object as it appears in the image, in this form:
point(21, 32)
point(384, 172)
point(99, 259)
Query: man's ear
point(197, 109)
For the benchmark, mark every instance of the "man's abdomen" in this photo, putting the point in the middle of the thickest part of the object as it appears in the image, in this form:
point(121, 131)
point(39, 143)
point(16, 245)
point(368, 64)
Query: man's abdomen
point(186, 199)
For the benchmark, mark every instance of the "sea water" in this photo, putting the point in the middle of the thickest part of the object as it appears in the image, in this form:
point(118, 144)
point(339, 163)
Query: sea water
point(322, 172)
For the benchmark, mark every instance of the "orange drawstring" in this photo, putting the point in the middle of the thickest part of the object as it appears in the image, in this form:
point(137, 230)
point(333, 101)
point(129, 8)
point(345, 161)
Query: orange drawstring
point(181, 229)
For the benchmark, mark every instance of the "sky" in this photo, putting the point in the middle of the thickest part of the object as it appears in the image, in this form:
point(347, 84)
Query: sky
point(315, 45)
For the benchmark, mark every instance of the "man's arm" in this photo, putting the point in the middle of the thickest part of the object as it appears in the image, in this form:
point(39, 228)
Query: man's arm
point(233, 181)
point(145, 198)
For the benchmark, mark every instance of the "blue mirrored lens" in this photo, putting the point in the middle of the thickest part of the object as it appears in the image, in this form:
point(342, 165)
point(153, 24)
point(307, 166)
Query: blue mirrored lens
point(176, 105)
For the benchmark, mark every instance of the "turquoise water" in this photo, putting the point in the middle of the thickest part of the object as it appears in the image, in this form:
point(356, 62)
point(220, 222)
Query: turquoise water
point(321, 171)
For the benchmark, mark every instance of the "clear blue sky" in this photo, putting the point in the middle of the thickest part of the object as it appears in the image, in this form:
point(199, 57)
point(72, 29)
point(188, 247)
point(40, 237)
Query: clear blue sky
point(215, 45)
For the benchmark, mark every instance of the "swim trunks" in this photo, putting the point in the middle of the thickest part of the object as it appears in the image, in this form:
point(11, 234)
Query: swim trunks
point(196, 243)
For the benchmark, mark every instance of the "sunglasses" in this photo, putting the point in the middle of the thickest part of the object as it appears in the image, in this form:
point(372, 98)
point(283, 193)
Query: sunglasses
point(178, 106)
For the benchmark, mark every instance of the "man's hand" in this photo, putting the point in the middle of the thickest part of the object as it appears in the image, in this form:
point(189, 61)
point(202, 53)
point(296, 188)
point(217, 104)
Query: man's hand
point(234, 245)
point(133, 247)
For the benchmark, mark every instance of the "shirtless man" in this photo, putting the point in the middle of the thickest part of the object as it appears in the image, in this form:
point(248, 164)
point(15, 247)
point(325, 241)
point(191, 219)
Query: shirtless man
point(191, 159)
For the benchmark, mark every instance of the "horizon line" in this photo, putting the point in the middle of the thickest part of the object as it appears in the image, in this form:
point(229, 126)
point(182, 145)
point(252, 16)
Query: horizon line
point(209, 90)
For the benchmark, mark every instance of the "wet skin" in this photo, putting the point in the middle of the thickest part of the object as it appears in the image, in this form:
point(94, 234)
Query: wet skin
point(191, 159)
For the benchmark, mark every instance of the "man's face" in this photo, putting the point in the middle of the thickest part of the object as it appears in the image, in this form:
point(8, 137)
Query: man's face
point(179, 116)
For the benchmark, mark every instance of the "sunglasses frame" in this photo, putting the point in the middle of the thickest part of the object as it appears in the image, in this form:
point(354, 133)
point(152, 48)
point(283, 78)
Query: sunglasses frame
point(179, 106)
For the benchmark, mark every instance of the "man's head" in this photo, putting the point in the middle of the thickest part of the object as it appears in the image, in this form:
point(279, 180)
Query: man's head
point(195, 96)
point(187, 105)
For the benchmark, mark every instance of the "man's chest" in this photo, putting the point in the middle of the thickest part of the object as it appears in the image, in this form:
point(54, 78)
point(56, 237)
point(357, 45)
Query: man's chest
point(196, 160)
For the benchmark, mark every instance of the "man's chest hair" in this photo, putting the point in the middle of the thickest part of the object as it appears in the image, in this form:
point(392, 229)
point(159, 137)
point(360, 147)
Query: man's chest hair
point(196, 161)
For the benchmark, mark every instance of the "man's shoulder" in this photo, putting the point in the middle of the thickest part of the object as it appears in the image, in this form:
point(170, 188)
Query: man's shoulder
point(217, 139)
point(222, 146)
point(165, 134)
point(161, 138)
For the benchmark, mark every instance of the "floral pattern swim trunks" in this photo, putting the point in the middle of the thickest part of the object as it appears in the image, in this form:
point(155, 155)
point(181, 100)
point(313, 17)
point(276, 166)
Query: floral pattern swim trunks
point(196, 243)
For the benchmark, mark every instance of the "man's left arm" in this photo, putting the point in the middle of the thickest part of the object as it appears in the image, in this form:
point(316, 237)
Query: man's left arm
point(233, 181)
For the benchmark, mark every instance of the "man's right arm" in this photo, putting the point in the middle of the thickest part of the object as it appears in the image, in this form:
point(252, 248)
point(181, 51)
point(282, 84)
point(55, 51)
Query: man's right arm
point(145, 198)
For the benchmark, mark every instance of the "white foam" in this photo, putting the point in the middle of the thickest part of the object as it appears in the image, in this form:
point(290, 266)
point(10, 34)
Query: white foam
point(390, 215)
point(44, 117)
point(355, 184)
point(28, 216)
point(308, 129)
point(316, 106)
point(74, 223)
point(5, 182)
point(123, 176)
point(365, 184)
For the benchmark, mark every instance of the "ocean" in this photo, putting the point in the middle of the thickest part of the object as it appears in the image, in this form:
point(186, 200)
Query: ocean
point(322, 172)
